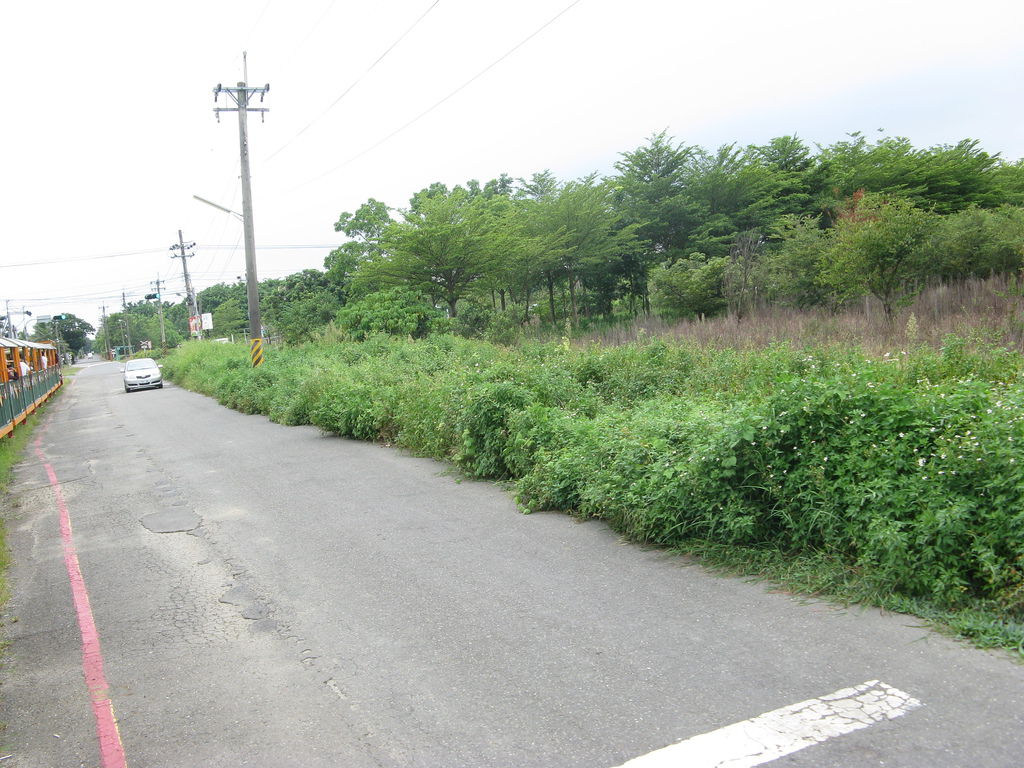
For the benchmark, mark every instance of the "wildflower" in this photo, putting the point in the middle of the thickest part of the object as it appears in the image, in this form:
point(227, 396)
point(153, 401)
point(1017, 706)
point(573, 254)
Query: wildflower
point(921, 461)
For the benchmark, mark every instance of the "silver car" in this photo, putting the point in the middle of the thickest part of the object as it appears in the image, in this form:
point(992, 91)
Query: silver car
point(143, 373)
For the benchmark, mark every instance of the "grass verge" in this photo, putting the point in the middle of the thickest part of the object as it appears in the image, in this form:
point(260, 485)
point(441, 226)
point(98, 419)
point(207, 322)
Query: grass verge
point(11, 451)
point(983, 623)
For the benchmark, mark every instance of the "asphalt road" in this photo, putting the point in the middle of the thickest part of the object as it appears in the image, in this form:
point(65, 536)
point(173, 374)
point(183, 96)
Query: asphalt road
point(323, 602)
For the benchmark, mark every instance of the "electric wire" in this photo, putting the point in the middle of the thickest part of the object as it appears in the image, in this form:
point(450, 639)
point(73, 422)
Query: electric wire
point(82, 258)
point(312, 29)
point(258, 20)
point(436, 104)
point(356, 82)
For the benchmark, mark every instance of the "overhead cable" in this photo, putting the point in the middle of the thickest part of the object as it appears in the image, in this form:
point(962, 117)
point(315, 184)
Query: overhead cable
point(357, 80)
point(82, 258)
point(434, 106)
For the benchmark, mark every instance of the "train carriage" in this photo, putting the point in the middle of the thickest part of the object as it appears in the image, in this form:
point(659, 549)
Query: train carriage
point(29, 374)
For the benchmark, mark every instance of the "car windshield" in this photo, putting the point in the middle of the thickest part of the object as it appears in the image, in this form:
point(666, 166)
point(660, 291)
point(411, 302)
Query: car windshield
point(135, 365)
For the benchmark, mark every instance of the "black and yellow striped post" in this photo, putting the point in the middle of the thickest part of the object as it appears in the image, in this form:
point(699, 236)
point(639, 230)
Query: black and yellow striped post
point(256, 351)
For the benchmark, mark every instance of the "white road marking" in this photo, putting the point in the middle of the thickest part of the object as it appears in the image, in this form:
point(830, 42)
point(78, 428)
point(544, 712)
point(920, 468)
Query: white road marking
point(783, 731)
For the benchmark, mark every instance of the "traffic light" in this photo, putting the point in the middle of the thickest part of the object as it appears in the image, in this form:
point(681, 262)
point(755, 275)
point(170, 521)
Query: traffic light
point(152, 295)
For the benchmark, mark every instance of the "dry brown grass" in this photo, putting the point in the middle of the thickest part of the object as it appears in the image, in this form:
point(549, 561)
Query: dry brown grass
point(980, 311)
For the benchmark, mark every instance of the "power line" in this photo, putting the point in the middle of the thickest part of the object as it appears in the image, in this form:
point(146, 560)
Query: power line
point(356, 81)
point(286, 247)
point(258, 20)
point(297, 246)
point(312, 29)
point(98, 293)
point(82, 258)
point(434, 106)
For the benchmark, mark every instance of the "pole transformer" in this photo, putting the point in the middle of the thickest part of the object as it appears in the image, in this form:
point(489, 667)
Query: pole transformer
point(241, 96)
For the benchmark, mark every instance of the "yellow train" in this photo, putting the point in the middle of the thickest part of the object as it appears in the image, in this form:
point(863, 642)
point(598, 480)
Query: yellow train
point(29, 375)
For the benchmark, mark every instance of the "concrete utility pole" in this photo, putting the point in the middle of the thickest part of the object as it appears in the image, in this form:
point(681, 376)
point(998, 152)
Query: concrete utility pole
point(127, 323)
point(106, 332)
point(160, 312)
point(241, 95)
point(183, 252)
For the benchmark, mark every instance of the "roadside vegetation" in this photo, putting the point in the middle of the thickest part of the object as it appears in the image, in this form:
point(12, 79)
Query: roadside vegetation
point(893, 478)
point(801, 363)
point(11, 452)
point(674, 231)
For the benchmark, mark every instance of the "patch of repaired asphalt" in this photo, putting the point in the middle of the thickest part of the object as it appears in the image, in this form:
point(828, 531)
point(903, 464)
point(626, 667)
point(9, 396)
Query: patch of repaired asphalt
point(242, 597)
point(172, 521)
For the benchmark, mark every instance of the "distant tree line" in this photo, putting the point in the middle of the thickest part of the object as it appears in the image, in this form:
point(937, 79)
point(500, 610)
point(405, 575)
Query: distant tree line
point(677, 230)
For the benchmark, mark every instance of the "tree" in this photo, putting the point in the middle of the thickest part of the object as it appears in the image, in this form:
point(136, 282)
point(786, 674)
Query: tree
point(366, 227)
point(650, 192)
point(441, 247)
point(70, 329)
point(690, 287)
point(878, 248)
point(945, 178)
point(794, 266)
point(301, 303)
point(229, 318)
point(741, 280)
point(978, 242)
point(211, 298)
point(593, 236)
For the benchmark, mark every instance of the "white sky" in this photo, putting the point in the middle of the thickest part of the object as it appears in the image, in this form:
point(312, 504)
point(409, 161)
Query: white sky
point(108, 128)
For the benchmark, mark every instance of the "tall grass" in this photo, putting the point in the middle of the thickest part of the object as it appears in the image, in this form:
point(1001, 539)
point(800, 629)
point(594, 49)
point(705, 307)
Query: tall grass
point(990, 310)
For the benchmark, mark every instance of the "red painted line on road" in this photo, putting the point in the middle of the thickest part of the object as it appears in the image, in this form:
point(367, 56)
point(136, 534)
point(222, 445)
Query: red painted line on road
point(111, 749)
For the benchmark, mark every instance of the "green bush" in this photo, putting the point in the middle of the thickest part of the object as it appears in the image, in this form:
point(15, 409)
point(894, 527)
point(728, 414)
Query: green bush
point(484, 427)
point(396, 311)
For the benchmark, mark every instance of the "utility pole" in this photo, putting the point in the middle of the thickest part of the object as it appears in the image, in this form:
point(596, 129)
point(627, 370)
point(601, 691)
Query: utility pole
point(160, 311)
point(106, 332)
point(127, 323)
point(183, 253)
point(241, 95)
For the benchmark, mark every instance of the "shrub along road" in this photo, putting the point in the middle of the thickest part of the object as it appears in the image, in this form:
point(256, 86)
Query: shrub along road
point(266, 595)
